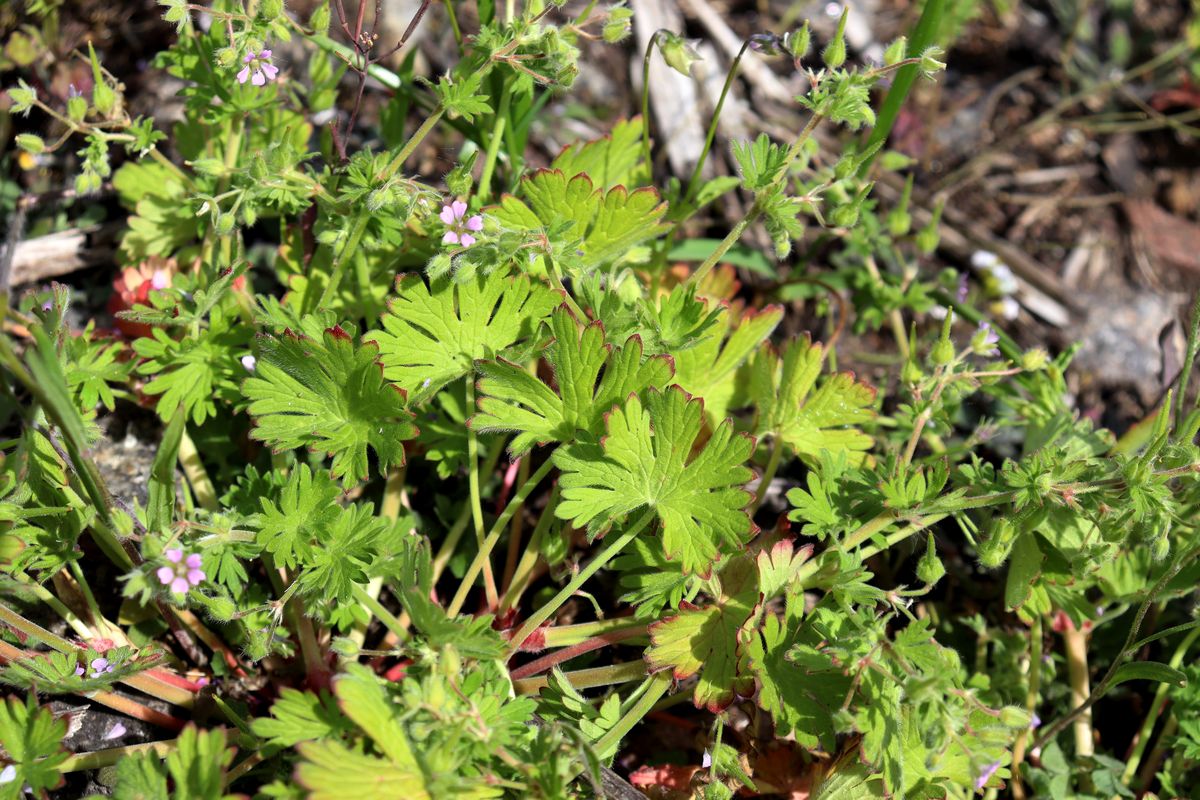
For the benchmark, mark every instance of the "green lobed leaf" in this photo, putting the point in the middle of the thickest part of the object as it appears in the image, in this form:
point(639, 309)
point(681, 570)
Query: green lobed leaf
point(589, 376)
point(809, 418)
point(801, 697)
point(434, 333)
point(329, 395)
point(300, 716)
point(614, 159)
point(646, 461)
point(32, 739)
point(198, 764)
point(710, 368)
point(606, 225)
point(300, 521)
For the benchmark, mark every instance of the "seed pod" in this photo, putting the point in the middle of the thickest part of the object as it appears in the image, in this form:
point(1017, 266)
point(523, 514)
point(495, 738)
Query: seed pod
point(834, 54)
point(995, 549)
point(930, 568)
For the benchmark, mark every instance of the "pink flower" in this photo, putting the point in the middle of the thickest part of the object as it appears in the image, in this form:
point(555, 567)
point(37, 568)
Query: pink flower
point(984, 341)
point(458, 233)
point(116, 731)
point(257, 68)
point(100, 666)
point(184, 574)
point(986, 775)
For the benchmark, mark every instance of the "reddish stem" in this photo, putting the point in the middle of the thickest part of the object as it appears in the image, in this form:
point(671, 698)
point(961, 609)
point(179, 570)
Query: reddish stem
point(546, 662)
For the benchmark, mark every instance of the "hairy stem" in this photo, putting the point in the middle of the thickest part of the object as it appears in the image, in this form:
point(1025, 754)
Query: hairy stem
point(654, 688)
point(107, 758)
point(694, 181)
point(550, 660)
point(610, 551)
point(483, 557)
point(764, 483)
point(372, 604)
point(1031, 700)
point(588, 678)
point(567, 635)
point(514, 530)
point(646, 99)
point(530, 558)
point(197, 475)
point(489, 579)
point(493, 150)
point(1054, 728)
point(1075, 641)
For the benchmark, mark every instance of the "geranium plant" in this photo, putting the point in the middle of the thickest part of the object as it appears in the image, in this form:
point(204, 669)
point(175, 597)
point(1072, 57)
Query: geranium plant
point(463, 477)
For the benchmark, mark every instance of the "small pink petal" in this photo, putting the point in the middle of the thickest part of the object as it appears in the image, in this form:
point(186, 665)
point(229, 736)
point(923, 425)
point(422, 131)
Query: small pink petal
point(116, 731)
point(165, 575)
point(161, 279)
point(243, 74)
point(265, 54)
point(196, 576)
point(249, 57)
point(475, 223)
point(258, 79)
point(194, 561)
point(79, 671)
point(466, 240)
point(447, 215)
point(271, 70)
point(203, 681)
point(173, 554)
point(450, 238)
point(459, 208)
point(179, 585)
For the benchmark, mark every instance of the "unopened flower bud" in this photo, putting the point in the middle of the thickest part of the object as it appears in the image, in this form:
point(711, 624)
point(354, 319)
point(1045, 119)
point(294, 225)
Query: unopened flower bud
point(798, 42)
point(1016, 718)
point(678, 54)
point(942, 354)
point(895, 52)
point(30, 143)
point(1035, 359)
point(76, 108)
point(345, 647)
point(766, 44)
